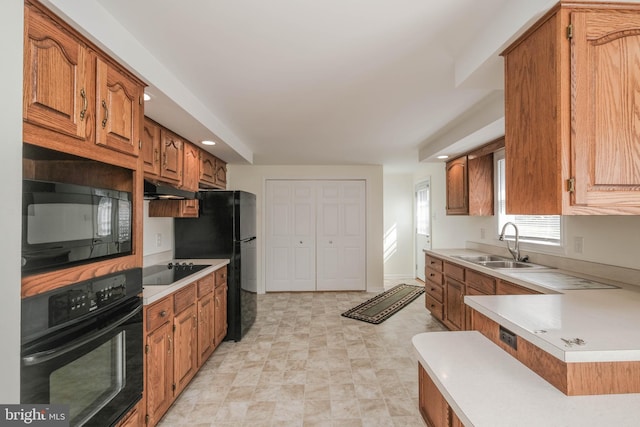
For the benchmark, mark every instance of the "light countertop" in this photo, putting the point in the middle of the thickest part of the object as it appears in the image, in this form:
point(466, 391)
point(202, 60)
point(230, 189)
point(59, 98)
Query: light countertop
point(587, 325)
point(485, 386)
point(155, 293)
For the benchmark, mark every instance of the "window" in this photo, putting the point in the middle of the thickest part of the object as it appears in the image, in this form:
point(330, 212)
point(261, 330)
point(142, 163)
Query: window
point(540, 229)
point(422, 209)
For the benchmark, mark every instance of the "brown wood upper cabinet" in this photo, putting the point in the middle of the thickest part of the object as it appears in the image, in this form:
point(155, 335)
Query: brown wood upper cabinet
point(457, 187)
point(171, 156)
point(74, 95)
point(190, 167)
point(213, 171)
point(571, 85)
point(151, 147)
point(470, 181)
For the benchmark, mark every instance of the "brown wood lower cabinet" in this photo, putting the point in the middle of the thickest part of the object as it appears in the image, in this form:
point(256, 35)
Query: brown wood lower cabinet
point(159, 363)
point(133, 418)
point(433, 407)
point(220, 309)
point(181, 333)
point(454, 304)
point(508, 288)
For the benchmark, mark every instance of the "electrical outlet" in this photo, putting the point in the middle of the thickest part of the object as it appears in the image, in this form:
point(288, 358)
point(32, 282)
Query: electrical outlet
point(509, 338)
point(578, 244)
point(158, 239)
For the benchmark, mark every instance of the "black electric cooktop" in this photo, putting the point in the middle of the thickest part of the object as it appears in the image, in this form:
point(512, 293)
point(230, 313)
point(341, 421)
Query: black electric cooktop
point(166, 274)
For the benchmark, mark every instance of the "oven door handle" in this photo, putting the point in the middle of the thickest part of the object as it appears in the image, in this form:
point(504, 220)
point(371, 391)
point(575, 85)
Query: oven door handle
point(45, 356)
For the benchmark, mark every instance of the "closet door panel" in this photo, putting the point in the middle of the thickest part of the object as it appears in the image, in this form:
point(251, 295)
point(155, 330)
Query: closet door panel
point(290, 241)
point(341, 236)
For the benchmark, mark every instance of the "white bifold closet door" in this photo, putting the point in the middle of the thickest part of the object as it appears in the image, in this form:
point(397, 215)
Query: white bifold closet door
point(315, 235)
point(291, 236)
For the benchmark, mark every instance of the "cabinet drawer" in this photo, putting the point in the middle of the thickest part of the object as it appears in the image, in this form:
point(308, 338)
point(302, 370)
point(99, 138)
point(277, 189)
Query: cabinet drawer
point(485, 284)
point(205, 285)
point(434, 307)
point(508, 288)
point(434, 263)
point(434, 276)
point(221, 276)
point(184, 298)
point(434, 291)
point(454, 271)
point(159, 313)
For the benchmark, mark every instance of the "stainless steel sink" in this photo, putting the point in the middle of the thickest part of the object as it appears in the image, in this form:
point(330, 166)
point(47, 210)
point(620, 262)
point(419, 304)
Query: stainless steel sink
point(481, 258)
point(509, 264)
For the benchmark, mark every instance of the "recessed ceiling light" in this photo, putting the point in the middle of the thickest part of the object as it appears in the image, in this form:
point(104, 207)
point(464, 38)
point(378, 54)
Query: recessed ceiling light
point(208, 142)
point(442, 157)
point(147, 97)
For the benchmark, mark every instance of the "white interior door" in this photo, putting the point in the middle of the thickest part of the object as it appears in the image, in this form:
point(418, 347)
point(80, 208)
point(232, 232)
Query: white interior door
point(341, 231)
point(423, 224)
point(290, 236)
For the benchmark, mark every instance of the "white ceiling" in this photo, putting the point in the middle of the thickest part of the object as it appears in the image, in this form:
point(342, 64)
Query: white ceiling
point(313, 81)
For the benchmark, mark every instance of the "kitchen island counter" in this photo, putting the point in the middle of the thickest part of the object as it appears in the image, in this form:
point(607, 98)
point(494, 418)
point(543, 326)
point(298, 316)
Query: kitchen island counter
point(485, 386)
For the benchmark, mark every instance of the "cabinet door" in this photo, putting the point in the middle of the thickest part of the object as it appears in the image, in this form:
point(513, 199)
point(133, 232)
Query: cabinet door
point(207, 169)
point(606, 81)
point(480, 173)
point(206, 325)
point(186, 348)
point(159, 372)
point(118, 109)
point(151, 148)
point(190, 167)
point(432, 404)
point(457, 187)
point(171, 152)
point(57, 91)
point(221, 174)
point(454, 306)
point(133, 418)
point(220, 309)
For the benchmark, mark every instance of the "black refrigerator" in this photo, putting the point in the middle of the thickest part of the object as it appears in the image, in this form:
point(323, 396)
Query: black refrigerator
point(226, 228)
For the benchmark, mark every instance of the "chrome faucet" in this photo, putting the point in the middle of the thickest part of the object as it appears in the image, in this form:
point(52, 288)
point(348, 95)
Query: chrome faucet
point(515, 252)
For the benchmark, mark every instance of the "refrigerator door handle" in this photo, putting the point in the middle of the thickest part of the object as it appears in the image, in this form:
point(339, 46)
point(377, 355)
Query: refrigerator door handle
point(248, 239)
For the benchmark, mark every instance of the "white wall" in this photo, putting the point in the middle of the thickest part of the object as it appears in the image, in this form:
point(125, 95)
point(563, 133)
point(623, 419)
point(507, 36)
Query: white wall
point(11, 23)
point(152, 227)
point(399, 256)
point(253, 179)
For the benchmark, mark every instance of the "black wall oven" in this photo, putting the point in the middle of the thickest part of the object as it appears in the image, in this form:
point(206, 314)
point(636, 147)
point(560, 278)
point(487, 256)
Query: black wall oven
point(82, 345)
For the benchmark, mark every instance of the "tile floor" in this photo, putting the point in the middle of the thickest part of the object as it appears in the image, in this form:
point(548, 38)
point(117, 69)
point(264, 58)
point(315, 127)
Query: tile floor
point(302, 364)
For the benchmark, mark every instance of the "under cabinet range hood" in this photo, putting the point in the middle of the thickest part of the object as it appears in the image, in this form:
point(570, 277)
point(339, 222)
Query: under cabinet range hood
point(154, 191)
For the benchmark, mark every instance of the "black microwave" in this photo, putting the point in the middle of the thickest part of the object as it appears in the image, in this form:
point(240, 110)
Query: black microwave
point(67, 224)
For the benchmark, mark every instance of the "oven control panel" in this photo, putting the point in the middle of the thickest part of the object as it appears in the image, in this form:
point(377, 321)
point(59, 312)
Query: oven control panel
point(75, 303)
point(80, 300)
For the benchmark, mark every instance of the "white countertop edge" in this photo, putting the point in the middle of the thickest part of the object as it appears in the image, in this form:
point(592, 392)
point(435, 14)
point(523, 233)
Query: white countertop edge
point(576, 355)
point(525, 334)
point(466, 365)
point(151, 294)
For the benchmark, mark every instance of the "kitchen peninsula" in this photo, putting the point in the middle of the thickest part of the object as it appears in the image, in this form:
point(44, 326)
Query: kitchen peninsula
point(574, 357)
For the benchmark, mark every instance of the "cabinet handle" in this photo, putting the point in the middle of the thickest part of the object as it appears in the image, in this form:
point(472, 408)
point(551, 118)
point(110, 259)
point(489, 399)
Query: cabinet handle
point(164, 160)
point(170, 343)
point(106, 114)
point(163, 313)
point(156, 156)
point(431, 275)
point(85, 104)
point(195, 321)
